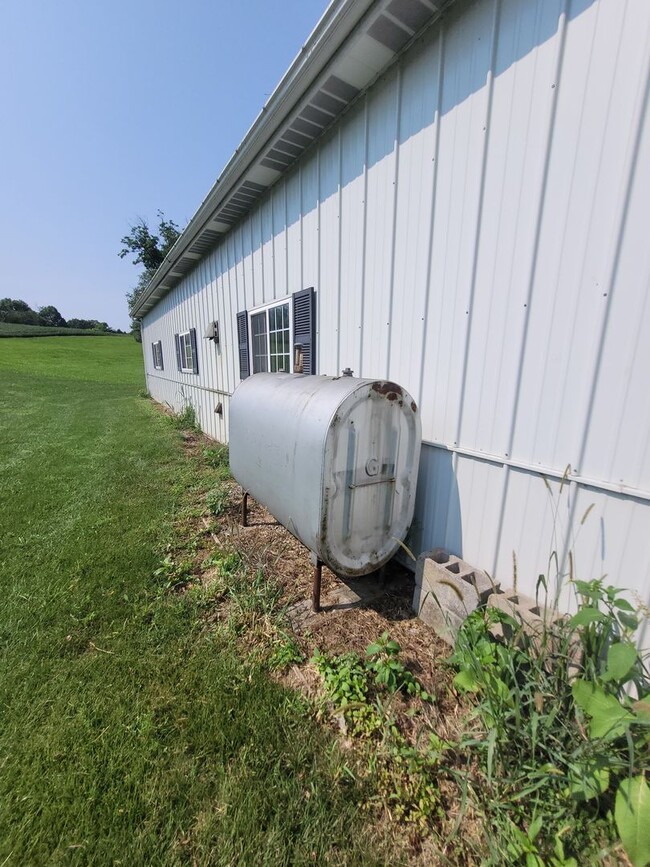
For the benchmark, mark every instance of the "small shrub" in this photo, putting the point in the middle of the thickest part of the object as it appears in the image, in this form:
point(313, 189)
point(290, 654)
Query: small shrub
point(186, 420)
point(389, 671)
point(217, 500)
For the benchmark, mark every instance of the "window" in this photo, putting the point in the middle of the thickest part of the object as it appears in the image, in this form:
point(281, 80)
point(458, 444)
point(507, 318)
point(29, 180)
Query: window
point(271, 336)
point(271, 329)
point(156, 349)
point(186, 354)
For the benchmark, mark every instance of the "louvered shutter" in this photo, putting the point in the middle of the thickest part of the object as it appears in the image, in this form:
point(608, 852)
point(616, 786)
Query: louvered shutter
point(304, 327)
point(177, 341)
point(242, 335)
point(195, 357)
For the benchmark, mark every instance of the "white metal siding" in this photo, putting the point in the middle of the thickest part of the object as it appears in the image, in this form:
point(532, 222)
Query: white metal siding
point(476, 228)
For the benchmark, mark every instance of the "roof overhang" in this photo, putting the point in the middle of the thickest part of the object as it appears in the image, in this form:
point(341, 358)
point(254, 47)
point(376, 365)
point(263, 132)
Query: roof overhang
point(353, 43)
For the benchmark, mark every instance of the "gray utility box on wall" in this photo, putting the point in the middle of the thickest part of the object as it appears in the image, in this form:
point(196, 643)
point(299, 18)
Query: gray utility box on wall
point(334, 459)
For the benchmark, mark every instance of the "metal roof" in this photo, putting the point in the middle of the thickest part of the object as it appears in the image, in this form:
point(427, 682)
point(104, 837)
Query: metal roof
point(353, 43)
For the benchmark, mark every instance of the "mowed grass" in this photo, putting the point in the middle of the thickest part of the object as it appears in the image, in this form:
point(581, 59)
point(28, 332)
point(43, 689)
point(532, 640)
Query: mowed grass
point(129, 733)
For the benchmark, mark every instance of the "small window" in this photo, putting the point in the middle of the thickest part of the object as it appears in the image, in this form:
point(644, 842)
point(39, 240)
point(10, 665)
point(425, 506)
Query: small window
point(157, 355)
point(186, 351)
point(271, 339)
point(185, 343)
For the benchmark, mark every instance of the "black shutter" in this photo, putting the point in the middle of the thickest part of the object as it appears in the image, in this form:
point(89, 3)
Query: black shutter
point(304, 327)
point(195, 357)
point(177, 341)
point(242, 335)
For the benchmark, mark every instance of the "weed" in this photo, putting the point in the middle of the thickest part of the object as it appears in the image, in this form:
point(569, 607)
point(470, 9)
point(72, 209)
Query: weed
point(217, 500)
point(353, 687)
point(389, 671)
point(286, 652)
point(172, 573)
point(186, 419)
point(561, 731)
point(216, 457)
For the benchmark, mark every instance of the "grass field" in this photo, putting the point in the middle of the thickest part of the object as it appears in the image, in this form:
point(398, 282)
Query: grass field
point(130, 734)
point(12, 329)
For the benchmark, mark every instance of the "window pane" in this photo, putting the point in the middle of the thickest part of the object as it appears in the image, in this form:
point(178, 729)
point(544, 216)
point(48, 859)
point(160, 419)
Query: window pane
point(260, 351)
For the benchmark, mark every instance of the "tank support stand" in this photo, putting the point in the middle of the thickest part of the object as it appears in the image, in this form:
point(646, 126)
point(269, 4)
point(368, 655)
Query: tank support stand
point(244, 510)
point(315, 588)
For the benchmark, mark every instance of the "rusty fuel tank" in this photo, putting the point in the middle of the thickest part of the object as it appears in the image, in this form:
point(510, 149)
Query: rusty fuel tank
point(333, 459)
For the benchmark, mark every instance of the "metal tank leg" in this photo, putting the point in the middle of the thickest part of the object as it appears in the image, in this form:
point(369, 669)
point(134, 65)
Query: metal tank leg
point(315, 589)
point(244, 510)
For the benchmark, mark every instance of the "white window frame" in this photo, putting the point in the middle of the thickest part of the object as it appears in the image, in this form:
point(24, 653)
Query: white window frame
point(185, 349)
point(157, 355)
point(264, 308)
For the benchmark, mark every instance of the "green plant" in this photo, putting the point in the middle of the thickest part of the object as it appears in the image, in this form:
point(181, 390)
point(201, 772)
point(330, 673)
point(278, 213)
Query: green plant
point(389, 671)
point(217, 500)
point(186, 419)
point(561, 731)
point(286, 652)
point(174, 574)
point(217, 457)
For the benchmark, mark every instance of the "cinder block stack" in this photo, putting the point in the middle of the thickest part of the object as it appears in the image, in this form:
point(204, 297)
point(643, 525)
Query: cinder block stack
point(447, 590)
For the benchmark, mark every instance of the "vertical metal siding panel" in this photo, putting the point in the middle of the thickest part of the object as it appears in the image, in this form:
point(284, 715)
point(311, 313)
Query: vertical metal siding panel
point(279, 202)
point(258, 261)
point(309, 210)
point(353, 156)
point(467, 56)
point(247, 252)
point(240, 271)
point(437, 520)
point(480, 486)
point(613, 449)
point(533, 527)
point(417, 138)
point(568, 306)
point(329, 255)
point(294, 240)
point(230, 293)
point(266, 212)
point(520, 116)
point(380, 203)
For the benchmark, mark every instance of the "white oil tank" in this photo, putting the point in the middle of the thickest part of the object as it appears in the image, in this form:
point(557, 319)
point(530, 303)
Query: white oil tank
point(334, 459)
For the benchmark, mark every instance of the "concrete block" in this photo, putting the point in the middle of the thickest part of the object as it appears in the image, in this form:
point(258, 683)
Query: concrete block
point(537, 622)
point(447, 590)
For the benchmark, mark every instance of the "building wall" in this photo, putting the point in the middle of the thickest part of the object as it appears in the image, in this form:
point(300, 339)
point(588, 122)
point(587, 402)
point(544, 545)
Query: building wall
point(476, 228)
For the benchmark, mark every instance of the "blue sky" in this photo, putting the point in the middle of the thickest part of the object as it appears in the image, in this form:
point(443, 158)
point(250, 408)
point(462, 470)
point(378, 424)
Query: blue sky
point(112, 110)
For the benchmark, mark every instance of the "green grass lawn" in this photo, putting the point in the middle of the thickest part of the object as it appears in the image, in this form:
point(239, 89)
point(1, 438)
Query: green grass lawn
point(129, 733)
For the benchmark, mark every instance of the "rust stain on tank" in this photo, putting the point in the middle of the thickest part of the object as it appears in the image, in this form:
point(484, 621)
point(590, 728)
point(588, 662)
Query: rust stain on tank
point(414, 406)
point(391, 390)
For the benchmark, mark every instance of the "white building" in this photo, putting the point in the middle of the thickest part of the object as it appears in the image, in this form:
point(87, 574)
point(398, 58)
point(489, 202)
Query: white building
point(466, 187)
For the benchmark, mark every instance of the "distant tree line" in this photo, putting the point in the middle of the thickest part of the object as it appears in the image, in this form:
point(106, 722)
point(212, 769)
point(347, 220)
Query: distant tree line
point(14, 310)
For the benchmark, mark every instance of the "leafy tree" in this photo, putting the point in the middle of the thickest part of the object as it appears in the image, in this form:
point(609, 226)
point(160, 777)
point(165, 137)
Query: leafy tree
point(149, 250)
point(15, 310)
point(49, 315)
